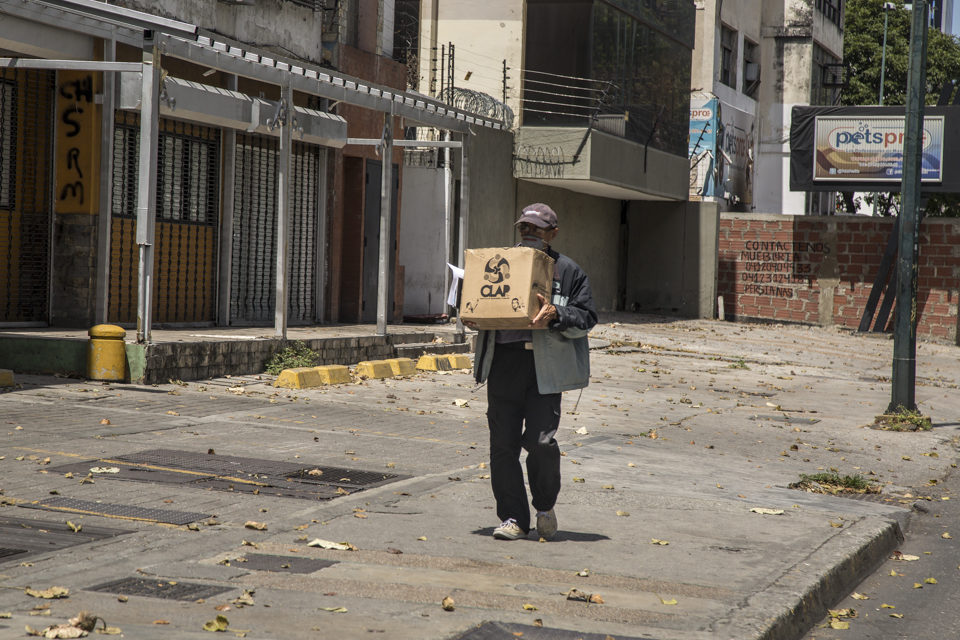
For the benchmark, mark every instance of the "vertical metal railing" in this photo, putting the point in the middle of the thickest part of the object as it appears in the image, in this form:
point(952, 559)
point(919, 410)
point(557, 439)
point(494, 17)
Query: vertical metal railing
point(26, 205)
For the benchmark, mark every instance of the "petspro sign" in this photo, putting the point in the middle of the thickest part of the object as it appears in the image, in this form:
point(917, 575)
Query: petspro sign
point(870, 149)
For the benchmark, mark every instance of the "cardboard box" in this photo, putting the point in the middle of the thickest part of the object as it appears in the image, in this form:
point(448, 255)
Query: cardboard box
point(500, 286)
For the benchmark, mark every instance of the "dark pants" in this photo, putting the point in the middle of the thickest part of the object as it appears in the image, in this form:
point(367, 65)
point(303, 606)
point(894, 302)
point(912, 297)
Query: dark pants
point(513, 399)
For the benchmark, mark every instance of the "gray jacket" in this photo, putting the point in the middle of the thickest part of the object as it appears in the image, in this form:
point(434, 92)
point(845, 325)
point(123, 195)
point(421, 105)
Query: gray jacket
point(561, 353)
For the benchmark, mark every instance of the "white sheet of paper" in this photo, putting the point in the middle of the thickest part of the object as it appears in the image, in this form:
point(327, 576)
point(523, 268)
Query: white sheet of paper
point(457, 276)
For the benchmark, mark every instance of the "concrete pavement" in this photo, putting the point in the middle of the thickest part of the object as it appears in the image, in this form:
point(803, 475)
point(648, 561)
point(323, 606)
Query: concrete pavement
point(687, 427)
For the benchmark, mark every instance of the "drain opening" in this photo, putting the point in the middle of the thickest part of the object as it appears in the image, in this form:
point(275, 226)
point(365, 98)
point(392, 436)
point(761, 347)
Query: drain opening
point(166, 589)
point(126, 511)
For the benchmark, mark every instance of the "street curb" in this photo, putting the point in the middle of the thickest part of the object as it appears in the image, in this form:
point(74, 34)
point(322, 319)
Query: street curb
point(790, 606)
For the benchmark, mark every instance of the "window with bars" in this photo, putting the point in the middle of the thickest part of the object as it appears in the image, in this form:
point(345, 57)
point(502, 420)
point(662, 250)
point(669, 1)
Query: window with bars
point(832, 11)
point(8, 144)
point(728, 56)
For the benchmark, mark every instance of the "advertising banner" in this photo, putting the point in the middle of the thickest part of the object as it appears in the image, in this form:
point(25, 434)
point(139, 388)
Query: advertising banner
point(870, 149)
point(702, 149)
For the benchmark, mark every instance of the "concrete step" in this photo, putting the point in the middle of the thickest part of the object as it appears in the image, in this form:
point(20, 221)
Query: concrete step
point(416, 350)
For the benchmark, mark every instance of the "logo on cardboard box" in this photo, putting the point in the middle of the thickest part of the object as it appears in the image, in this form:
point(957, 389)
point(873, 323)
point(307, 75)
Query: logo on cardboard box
point(495, 272)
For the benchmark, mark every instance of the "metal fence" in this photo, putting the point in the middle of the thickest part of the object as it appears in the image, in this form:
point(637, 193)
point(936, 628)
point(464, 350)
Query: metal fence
point(254, 244)
point(26, 207)
point(188, 208)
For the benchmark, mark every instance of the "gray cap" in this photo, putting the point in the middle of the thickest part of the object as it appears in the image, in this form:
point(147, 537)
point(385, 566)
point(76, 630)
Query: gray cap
point(540, 215)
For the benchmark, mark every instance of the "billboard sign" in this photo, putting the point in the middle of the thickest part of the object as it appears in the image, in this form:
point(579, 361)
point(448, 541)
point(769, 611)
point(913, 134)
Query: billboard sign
point(702, 149)
point(870, 149)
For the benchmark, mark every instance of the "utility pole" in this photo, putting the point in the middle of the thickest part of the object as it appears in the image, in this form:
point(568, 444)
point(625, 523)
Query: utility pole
point(905, 320)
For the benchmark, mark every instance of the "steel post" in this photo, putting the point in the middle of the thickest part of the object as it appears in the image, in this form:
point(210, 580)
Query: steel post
point(905, 321)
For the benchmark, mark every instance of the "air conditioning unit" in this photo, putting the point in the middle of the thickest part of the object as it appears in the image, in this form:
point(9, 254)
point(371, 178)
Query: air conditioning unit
point(751, 72)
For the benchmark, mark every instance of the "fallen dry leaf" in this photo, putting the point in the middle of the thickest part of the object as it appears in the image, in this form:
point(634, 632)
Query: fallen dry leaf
point(259, 526)
point(49, 594)
point(220, 623)
point(529, 607)
point(946, 535)
point(105, 421)
point(334, 609)
point(839, 624)
point(161, 622)
point(896, 615)
point(662, 543)
point(447, 604)
point(671, 601)
point(327, 544)
point(767, 512)
point(623, 513)
point(859, 596)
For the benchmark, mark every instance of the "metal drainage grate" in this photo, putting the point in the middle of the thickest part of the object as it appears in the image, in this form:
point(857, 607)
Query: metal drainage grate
point(129, 512)
point(166, 589)
point(211, 463)
point(289, 564)
point(501, 630)
point(338, 476)
point(24, 537)
point(125, 472)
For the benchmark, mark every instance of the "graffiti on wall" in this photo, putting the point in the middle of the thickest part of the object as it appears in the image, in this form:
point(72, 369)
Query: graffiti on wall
point(77, 142)
point(775, 268)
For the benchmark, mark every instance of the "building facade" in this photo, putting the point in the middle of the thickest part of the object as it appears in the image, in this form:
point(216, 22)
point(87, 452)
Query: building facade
point(202, 163)
point(750, 68)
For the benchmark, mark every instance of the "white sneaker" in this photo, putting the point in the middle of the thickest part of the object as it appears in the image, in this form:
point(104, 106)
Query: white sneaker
point(509, 530)
point(546, 524)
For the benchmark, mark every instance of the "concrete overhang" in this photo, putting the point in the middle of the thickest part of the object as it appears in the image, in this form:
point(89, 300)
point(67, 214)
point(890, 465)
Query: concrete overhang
point(600, 164)
point(195, 102)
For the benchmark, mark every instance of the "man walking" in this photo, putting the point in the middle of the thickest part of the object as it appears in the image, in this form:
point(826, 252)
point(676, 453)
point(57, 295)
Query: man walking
point(527, 371)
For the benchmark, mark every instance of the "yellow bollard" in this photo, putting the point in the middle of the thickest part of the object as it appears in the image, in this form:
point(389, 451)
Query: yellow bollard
point(107, 353)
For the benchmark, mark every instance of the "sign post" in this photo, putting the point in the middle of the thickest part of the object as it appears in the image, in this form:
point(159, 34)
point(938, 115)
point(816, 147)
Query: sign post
point(905, 326)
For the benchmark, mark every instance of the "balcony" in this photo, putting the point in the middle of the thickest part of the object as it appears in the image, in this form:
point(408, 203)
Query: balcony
point(580, 134)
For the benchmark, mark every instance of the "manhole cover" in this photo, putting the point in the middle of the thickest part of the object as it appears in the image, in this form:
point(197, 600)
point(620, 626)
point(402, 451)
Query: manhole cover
point(130, 512)
point(502, 630)
point(166, 589)
point(25, 537)
point(289, 564)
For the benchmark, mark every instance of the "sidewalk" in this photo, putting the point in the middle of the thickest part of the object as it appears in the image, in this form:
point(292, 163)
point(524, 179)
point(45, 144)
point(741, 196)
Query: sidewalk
point(686, 427)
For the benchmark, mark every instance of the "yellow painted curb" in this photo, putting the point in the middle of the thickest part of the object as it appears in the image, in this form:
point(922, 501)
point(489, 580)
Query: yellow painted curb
point(433, 363)
point(460, 361)
point(334, 373)
point(402, 366)
point(374, 369)
point(6, 378)
point(299, 378)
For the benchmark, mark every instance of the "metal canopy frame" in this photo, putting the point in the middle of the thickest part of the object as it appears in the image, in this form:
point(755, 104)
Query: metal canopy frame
point(158, 36)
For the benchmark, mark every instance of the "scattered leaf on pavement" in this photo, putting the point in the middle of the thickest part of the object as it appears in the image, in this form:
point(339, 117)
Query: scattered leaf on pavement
point(767, 512)
point(576, 479)
point(662, 543)
point(623, 513)
point(74, 527)
point(839, 624)
point(583, 573)
point(460, 402)
point(334, 609)
point(259, 526)
point(327, 544)
point(220, 623)
point(859, 596)
point(49, 594)
point(887, 606)
point(896, 615)
point(447, 604)
point(529, 607)
point(946, 535)
point(671, 601)
point(930, 581)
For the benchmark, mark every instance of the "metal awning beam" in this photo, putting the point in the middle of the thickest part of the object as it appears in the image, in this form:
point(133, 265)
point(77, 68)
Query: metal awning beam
point(319, 82)
point(74, 20)
point(128, 17)
point(418, 144)
point(74, 65)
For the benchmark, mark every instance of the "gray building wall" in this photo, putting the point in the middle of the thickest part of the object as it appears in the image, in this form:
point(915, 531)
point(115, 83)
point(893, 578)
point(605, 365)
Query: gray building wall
point(672, 264)
point(422, 234)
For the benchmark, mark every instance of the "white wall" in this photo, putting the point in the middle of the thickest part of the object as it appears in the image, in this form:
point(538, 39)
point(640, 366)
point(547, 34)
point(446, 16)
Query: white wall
point(484, 34)
point(421, 240)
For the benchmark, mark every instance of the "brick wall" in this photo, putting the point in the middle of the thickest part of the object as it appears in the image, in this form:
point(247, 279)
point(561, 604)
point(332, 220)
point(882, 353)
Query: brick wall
point(821, 270)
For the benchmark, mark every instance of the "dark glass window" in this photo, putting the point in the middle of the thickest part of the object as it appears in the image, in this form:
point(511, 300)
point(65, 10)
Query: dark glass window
point(593, 60)
point(832, 11)
point(728, 56)
point(751, 67)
